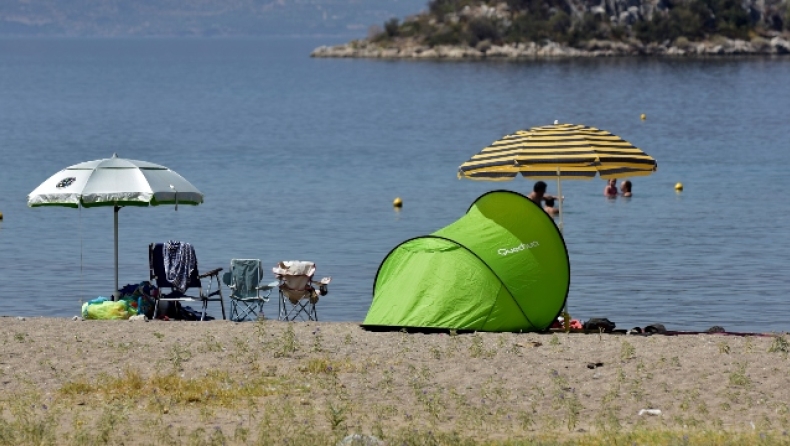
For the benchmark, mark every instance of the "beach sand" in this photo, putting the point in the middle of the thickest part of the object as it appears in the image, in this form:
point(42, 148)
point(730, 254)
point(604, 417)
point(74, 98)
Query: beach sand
point(243, 383)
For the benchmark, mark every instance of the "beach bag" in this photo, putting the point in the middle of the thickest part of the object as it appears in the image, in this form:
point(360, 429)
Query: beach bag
point(139, 298)
point(599, 324)
point(107, 310)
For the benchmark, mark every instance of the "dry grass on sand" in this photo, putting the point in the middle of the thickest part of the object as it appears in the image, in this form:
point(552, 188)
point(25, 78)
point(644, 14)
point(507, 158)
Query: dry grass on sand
point(119, 382)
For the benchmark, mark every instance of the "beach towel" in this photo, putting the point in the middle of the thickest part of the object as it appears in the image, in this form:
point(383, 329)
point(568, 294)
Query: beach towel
point(296, 276)
point(294, 268)
point(180, 262)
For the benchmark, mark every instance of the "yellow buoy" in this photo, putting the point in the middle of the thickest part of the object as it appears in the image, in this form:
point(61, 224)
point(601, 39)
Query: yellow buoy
point(643, 116)
point(397, 202)
point(679, 187)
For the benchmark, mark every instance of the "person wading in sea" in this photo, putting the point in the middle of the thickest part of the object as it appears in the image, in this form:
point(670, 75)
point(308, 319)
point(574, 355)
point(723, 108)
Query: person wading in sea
point(610, 191)
point(549, 207)
point(538, 194)
point(625, 188)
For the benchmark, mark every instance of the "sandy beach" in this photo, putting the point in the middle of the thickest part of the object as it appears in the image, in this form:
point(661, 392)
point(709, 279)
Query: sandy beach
point(122, 382)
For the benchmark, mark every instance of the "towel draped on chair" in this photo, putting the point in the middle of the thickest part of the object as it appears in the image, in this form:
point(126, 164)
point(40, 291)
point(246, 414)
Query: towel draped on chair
point(294, 268)
point(180, 261)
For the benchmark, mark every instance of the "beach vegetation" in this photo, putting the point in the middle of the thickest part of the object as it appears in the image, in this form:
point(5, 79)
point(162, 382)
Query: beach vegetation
point(738, 377)
point(211, 345)
point(477, 348)
point(215, 388)
point(514, 349)
point(318, 341)
point(748, 345)
point(288, 345)
point(371, 386)
point(113, 419)
point(779, 345)
point(179, 355)
point(111, 428)
point(326, 365)
point(606, 415)
point(565, 398)
point(336, 415)
point(620, 375)
point(627, 351)
point(637, 391)
point(260, 329)
point(387, 380)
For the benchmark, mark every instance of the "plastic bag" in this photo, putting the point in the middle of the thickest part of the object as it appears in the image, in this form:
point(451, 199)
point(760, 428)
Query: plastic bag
point(107, 310)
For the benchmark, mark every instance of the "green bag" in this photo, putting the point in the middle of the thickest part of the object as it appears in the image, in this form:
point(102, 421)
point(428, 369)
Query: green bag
point(108, 310)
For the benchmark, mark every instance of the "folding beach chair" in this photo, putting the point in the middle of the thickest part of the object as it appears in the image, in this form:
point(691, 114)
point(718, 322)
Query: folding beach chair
point(298, 292)
point(174, 270)
point(247, 294)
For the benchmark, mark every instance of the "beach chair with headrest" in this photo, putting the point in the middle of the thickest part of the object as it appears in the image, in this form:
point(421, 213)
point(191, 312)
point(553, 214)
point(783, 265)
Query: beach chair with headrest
point(247, 293)
point(173, 268)
point(298, 292)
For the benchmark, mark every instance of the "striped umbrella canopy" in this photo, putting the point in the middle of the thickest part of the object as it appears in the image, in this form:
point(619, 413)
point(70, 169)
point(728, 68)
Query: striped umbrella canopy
point(566, 150)
point(561, 151)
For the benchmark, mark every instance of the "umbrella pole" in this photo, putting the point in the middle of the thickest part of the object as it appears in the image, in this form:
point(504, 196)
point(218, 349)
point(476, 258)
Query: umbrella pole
point(115, 290)
point(559, 193)
point(566, 317)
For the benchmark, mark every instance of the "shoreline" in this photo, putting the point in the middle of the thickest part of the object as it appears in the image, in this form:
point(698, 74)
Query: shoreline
point(204, 379)
point(777, 46)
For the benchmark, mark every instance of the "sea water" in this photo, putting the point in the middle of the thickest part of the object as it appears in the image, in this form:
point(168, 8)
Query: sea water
point(301, 158)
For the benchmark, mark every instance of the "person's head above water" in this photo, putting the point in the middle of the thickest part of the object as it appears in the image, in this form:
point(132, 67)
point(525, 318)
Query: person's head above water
point(539, 187)
point(549, 202)
point(625, 186)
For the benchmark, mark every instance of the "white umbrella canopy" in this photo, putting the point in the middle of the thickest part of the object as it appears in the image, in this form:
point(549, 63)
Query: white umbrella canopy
point(115, 182)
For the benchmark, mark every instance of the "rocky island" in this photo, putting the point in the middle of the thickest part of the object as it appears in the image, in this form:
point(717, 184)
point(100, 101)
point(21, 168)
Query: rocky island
point(515, 29)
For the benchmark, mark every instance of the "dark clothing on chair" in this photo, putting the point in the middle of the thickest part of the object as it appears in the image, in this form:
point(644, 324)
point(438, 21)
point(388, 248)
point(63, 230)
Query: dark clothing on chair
point(187, 277)
point(179, 263)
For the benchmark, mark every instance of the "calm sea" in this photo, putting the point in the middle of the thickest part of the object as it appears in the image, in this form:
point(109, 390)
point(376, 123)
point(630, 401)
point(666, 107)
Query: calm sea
point(301, 158)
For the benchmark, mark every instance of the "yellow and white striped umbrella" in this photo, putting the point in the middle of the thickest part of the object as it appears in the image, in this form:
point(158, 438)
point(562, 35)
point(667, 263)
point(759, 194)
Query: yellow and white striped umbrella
point(560, 150)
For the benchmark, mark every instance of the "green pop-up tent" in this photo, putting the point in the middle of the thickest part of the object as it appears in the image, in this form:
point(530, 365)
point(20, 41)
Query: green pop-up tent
point(503, 266)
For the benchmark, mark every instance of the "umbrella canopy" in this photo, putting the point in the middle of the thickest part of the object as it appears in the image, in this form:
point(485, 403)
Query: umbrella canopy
point(566, 150)
point(561, 151)
point(115, 182)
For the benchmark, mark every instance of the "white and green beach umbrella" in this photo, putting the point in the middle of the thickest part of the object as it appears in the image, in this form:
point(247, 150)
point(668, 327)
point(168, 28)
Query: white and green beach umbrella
point(115, 182)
